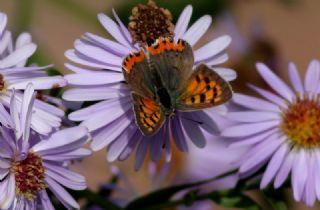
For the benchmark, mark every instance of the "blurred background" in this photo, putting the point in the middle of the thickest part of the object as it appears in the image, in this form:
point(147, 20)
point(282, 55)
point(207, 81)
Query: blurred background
point(275, 32)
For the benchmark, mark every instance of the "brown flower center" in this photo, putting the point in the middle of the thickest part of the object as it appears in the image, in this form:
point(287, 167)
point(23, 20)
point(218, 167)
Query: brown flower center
point(149, 22)
point(29, 176)
point(301, 122)
point(3, 84)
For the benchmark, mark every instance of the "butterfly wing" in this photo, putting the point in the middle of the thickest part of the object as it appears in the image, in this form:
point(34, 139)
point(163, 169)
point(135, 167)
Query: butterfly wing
point(136, 72)
point(172, 61)
point(148, 114)
point(205, 88)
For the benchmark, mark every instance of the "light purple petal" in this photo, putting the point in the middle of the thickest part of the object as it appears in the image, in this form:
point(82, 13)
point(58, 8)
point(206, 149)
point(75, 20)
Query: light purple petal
point(219, 59)
point(274, 165)
point(67, 156)
point(18, 55)
point(242, 130)
point(253, 116)
point(97, 78)
point(98, 54)
point(183, 22)
point(113, 29)
point(111, 132)
point(310, 190)
point(226, 73)
point(122, 141)
point(298, 179)
point(254, 103)
point(197, 30)
point(123, 28)
point(63, 196)
point(212, 48)
point(7, 190)
point(156, 146)
point(68, 181)
point(5, 118)
point(3, 22)
point(40, 83)
point(254, 139)
point(105, 117)
point(285, 169)
point(192, 129)
point(178, 135)
point(141, 153)
point(45, 200)
point(62, 138)
point(312, 77)
point(109, 45)
point(275, 82)
point(92, 94)
point(295, 78)
point(262, 152)
point(70, 54)
point(269, 96)
point(26, 111)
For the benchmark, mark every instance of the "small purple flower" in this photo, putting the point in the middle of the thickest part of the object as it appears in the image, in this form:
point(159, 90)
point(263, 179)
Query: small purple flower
point(111, 121)
point(15, 75)
point(282, 131)
point(29, 165)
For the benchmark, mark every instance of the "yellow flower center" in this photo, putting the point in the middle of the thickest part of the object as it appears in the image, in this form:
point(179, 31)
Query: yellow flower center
point(29, 176)
point(301, 123)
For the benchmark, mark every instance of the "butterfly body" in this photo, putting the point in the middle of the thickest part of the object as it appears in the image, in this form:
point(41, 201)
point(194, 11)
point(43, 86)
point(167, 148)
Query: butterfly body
point(162, 81)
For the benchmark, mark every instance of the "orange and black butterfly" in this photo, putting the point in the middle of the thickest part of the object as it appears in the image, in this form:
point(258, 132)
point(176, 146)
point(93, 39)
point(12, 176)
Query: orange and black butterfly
point(162, 81)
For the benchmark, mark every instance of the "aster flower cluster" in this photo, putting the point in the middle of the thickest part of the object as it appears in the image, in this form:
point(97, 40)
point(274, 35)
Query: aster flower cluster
point(272, 141)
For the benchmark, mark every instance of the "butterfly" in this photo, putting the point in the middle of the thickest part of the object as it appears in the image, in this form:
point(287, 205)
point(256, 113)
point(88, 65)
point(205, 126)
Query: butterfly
point(162, 81)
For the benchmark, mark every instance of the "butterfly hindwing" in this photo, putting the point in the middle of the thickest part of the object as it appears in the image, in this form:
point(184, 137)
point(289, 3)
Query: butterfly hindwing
point(205, 88)
point(172, 61)
point(148, 114)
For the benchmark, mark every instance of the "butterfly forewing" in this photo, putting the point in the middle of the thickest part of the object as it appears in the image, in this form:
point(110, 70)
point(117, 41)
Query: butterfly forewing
point(149, 116)
point(205, 88)
point(135, 69)
point(172, 61)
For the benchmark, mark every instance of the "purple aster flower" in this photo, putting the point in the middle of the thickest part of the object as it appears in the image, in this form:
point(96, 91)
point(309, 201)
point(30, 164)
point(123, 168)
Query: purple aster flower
point(100, 78)
point(15, 75)
point(282, 131)
point(30, 165)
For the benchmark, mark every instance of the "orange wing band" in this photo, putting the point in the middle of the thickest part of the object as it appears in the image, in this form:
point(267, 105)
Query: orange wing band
point(132, 59)
point(166, 44)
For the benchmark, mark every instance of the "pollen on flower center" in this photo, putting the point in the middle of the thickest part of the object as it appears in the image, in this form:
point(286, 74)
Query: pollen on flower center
point(29, 176)
point(301, 122)
point(2, 84)
point(149, 22)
